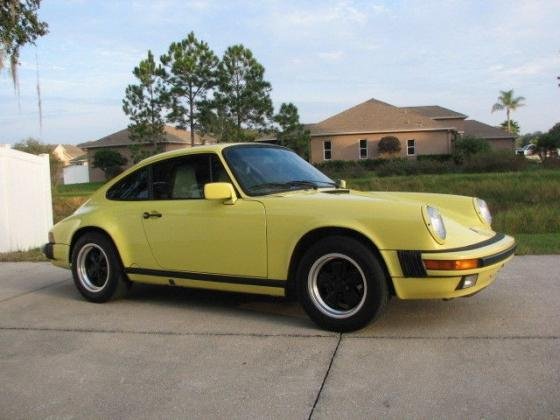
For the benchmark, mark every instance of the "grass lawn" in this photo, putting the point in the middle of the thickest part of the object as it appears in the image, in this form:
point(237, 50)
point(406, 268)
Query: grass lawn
point(33, 255)
point(67, 198)
point(521, 202)
point(76, 190)
point(524, 204)
point(537, 243)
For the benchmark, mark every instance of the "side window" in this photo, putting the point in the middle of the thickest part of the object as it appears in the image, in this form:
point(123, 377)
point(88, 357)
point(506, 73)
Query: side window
point(185, 177)
point(132, 187)
point(327, 151)
point(363, 149)
point(411, 147)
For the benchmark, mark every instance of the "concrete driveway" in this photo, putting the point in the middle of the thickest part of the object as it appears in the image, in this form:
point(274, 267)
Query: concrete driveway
point(168, 353)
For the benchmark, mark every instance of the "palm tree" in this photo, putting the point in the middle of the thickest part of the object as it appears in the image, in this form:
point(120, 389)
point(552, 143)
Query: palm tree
point(509, 103)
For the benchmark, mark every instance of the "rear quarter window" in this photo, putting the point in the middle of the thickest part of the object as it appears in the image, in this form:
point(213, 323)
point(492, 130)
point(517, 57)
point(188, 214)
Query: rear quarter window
point(133, 187)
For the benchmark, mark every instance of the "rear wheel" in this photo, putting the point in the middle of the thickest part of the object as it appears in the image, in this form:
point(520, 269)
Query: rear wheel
point(97, 269)
point(341, 284)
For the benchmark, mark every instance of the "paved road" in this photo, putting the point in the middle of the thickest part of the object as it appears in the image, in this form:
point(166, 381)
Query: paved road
point(167, 352)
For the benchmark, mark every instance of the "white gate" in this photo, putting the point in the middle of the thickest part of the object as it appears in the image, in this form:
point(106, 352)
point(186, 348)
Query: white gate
point(26, 213)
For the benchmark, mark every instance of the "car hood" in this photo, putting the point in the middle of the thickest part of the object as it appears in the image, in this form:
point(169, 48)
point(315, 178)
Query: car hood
point(384, 215)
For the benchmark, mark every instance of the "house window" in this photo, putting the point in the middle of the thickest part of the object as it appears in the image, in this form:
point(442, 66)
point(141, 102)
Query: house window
point(411, 147)
point(363, 149)
point(327, 150)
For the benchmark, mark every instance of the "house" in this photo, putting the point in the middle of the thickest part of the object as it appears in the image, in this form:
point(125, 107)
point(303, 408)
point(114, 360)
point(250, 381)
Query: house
point(355, 133)
point(441, 114)
point(498, 138)
point(174, 138)
point(69, 154)
point(422, 130)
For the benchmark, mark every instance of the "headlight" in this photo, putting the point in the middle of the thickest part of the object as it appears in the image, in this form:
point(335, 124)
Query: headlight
point(483, 211)
point(435, 224)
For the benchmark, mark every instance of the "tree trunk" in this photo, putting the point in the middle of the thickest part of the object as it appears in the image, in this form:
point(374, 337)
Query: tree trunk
point(191, 115)
point(508, 121)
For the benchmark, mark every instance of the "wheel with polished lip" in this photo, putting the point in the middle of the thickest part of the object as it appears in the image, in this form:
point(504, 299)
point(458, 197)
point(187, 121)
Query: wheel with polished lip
point(97, 269)
point(341, 284)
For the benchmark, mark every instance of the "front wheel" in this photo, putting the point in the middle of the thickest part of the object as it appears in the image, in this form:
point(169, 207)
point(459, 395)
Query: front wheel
point(97, 269)
point(341, 284)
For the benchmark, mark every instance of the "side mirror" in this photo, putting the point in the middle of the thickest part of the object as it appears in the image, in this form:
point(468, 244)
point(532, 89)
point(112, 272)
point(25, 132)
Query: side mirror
point(340, 183)
point(220, 191)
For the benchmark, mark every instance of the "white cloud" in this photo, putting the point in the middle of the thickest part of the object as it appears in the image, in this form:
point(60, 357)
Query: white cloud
point(537, 66)
point(330, 55)
point(339, 12)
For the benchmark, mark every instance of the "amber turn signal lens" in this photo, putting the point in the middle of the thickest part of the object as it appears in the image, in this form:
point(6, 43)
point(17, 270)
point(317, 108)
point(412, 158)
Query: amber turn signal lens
point(451, 264)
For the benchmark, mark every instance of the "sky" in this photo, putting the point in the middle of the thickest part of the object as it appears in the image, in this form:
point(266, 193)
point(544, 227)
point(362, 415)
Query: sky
point(324, 56)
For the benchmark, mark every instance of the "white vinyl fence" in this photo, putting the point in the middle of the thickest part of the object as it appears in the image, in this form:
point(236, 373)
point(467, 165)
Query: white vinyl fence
point(26, 213)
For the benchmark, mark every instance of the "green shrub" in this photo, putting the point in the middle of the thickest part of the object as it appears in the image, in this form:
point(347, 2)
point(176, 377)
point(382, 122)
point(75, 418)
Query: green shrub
point(412, 167)
point(466, 147)
point(439, 158)
point(495, 161)
point(337, 169)
point(371, 164)
point(389, 145)
point(109, 161)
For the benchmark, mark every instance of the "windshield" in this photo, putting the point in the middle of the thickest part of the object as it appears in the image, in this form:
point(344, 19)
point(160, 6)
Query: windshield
point(262, 170)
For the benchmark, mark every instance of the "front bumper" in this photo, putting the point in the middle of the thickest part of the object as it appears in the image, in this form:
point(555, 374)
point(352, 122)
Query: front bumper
point(413, 281)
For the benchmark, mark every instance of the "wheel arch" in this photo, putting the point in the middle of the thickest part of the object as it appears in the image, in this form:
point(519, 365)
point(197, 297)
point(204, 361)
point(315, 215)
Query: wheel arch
point(89, 229)
point(316, 235)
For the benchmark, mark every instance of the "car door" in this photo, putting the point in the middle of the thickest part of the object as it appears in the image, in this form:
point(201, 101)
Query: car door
point(123, 218)
point(190, 234)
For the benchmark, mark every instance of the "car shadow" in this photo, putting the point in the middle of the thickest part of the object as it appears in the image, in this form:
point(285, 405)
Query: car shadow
point(269, 308)
point(409, 318)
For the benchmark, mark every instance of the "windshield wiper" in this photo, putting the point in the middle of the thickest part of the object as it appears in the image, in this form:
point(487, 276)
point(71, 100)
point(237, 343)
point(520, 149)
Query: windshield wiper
point(295, 184)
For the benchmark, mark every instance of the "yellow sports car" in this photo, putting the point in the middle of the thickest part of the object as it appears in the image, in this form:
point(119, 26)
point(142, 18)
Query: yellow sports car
point(259, 219)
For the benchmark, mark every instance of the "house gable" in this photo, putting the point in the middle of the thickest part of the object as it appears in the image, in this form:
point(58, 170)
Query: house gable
point(375, 116)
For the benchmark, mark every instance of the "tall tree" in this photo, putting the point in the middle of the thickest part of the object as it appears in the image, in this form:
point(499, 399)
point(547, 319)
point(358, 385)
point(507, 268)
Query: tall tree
point(143, 103)
point(19, 25)
point(242, 92)
point(507, 101)
point(190, 71)
point(549, 143)
point(292, 133)
point(214, 121)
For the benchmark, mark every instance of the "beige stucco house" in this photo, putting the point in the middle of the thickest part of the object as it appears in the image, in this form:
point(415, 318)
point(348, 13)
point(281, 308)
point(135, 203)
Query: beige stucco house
point(120, 142)
point(498, 138)
point(354, 134)
point(68, 154)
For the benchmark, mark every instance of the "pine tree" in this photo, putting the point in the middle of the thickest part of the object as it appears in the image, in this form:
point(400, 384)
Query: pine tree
point(190, 72)
point(242, 93)
point(144, 103)
point(292, 133)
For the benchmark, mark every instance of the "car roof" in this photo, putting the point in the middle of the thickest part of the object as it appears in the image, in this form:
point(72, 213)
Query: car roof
point(210, 148)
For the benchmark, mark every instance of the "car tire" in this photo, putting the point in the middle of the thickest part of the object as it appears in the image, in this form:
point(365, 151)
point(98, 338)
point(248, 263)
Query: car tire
point(341, 284)
point(97, 269)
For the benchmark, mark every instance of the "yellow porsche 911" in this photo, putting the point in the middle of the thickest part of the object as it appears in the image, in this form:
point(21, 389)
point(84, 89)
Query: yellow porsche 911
point(257, 218)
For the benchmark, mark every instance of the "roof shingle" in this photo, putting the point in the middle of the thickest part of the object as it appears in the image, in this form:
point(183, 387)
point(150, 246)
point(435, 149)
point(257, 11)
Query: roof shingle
point(172, 135)
point(375, 116)
point(476, 128)
point(435, 112)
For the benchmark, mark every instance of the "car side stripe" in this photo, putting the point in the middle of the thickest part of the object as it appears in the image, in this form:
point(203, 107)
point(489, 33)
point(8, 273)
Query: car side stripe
point(218, 278)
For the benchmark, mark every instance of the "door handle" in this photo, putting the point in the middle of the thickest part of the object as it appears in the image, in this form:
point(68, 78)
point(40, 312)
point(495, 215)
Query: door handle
point(147, 215)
